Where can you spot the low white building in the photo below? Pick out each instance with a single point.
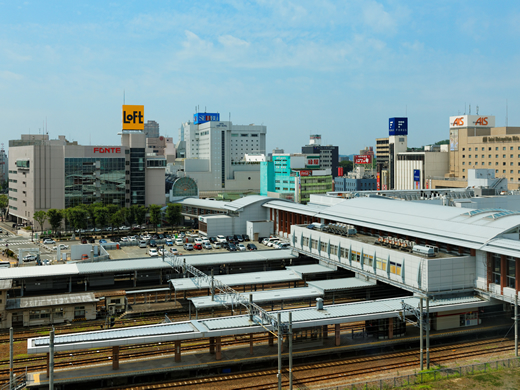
(415, 169)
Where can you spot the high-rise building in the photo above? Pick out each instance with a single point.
(294, 177)
(387, 150)
(4, 166)
(151, 129)
(214, 154)
(55, 173)
(329, 154)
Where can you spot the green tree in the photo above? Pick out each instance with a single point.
(155, 215)
(4, 202)
(101, 216)
(139, 213)
(77, 217)
(40, 216)
(173, 214)
(443, 142)
(128, 216)
(55, 218)
(348, 166)
(116, 219)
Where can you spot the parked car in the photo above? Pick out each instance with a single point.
(30, 258)
(230, 239)
(271, 243)
(49, 241)
(160, 251)
(153, 252)
(198, 240)
(207, 245)
(174, 251)
(169, 242)
(221, 239)
(143, 244)
(238, 238)
(224, 245)
(284, 245)
(62, 247)
(232, 247)
(178, 241)
(102, 241)
(152, 244)
(160, 236)
(124, 239)
(251, 247)
(241, 247)
(188, 246)
(197, 246)
(212, 240)
(245, 237)
(217, 245)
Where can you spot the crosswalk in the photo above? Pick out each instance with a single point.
(13, 243)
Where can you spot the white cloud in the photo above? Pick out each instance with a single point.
(10, 76)
(375, 17)
(231, 41)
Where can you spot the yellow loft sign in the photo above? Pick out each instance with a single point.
(133, 117)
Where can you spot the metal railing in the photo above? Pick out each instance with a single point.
(256, 313)
(428, 376)
(19, 382)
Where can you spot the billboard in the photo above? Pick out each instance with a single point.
(200, 118)
(306, 173)
(454, 139)
(312, 161)
(363, 159)
(460, 121)
(133, 117)
(417, 179)
(378, 180)
(398, 126)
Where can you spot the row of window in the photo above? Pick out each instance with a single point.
(489, 148)
(510, 271)
(489, 156)
(366, 260)
(489, 163)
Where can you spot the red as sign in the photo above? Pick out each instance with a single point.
(362, 159)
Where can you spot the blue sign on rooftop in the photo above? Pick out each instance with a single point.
(205, 117)
(398, 126)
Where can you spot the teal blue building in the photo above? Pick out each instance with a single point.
(275, 176)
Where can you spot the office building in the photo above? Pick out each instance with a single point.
(416, 170)
(55, 173)
(151, 129)
(329, 154)
(214, 154)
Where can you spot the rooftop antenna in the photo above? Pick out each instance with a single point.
(406, 110)
(205, 109)
(124, 96)
(477, 110)
(464, 108)
(469, 113)
(230, 116)
(506, 114)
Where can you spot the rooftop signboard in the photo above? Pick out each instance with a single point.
(398, 126)
(461, 121)
(133, 117)
(200, 118)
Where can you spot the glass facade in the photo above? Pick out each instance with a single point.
(90, 180)
(137, 176)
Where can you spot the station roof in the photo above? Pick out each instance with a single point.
(50, 300)
(146, 263)
(234, 325)
(503, 246)
(238, 257)
(236, 205)
(246, 279)
(433, 222)
(288, 294)
(340, 284)
(312, 269)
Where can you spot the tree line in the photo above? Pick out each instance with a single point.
(97, 215)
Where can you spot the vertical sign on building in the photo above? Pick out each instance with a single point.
(378, 180)
(398, 126)
(133, 117)
(417, 179)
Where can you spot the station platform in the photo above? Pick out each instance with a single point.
(261, 354)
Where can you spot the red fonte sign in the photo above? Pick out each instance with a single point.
(107, 150)
(363, 159)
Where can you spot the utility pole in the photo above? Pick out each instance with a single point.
(516, 325)
(11, 379)
(280, 341)
(290, 351)
(427, 333)
(421, 332)
(51, 360)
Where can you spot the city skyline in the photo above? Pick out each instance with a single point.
(339, 69)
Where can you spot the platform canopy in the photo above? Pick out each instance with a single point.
(261, 297)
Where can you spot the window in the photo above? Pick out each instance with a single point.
(470, 154)
(489, 156)
(464, 163)
(511, 156)
(503, 156)
(496, 269)
(395, 268)
(489, 163)
(469, 150)
(496, 155)
(496, 148)
(463, 170)
(504, 148)
(511, 148)
(463, 156)
(504, 171)
(79, 312)
(381, 264)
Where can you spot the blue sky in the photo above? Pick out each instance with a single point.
(336, 68)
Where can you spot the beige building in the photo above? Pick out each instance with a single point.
(46, 174)
(475, 143)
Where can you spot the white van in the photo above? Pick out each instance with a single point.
(143, 244)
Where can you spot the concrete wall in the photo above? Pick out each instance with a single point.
(155, 187)
(255, 229)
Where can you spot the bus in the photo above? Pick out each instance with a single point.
(5, 264)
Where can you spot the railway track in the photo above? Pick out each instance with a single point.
(332, 372)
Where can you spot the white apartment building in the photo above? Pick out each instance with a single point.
(215, 155)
